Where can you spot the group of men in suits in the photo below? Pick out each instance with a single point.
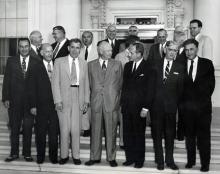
(67, 81)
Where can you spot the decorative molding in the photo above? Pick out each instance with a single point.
(170, 13)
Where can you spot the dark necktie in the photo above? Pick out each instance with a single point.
(23, 65)
(112, 44)
(191, 70)
(73, 73)
(56, 49)
(104, 65)
(38, 51)
(134, 69)
(49, 70)
(86, 53)
(167, 70)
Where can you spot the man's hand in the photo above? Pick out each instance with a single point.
(33, 111)
(85, 107)
(6, 104)
(59, 106)
(143, 113)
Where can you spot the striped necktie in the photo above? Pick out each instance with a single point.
(167, 70)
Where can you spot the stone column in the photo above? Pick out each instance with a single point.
(69, 16)
(208, 12)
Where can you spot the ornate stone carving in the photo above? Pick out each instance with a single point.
(170, 13)
(98, 13)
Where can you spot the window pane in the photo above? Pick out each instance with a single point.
(2, 8)
(11, 9)
(22, 9)
(2, 27)
(11, 27)
(22, 27)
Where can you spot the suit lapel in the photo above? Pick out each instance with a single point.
(99, 69)
(81, 70)
(18, 66)
(66, 66)
(109, 67)
(199, 72)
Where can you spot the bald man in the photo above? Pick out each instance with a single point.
(42, 106)
(105, 77)
(36, 42)
(111, 32)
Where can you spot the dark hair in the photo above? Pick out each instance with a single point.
(59, 28)
(161, 29)
(191, 41)
(87, 32)
(24, 39)
(75, 40)
(196, 21)
(131, 40)
(139, 48)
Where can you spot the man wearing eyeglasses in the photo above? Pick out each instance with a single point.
(167, 93)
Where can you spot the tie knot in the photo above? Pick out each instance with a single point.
(104, 65)
(192, 61)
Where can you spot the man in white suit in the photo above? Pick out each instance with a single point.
(70, 86)
(205, 48)
(88, 53)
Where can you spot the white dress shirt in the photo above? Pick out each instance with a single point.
(26, 61)
(165, 64)
(46, 64)
(101, 62)
(77, 68)
(137, 64)
(110, 41)
(34, 48)
(195, 64)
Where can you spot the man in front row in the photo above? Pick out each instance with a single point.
(105, 77)
(168, 91)
(135, 103)
(199, 86)
(70, 86)
(42, 106)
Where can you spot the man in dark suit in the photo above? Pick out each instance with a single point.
(135, 103)
(60, 46)
(157, 50)
(15, 98)
(199, 86)
(111, 32)
(42, 105)
(36, 42)
(167, 94)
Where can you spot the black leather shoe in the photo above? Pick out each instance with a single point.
(63, 160)
(28, 158)
(138, 165)
(40, 161)
(113, 163)
(127, 163)
(86, 133)
(204, 168)
(54, 161)
(11, 158)
(173, 166)
(189, 166)
(92, 162)
(77, 161)
(160, 166)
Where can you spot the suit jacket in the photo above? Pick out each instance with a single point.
(197, 94)
(137, 88)
(61, 81)
(63, 50)
(154, 52)
(115, 49)
(105, 89)
(92, 55)
(14, 85)
(205, 47)
(39, 88)
(35, 55)
(168, 94)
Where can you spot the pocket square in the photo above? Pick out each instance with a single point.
(176, 73)
(141, 75)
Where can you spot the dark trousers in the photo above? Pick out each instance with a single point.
(197, 131)
(19, 116)
(134, 137)
(47, 123)
(163, 125)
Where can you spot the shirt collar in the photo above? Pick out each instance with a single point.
(102, 60)
(34, 47)
(197, 36)
(195, 60)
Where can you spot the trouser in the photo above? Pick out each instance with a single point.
(107, 121)
(47, 123)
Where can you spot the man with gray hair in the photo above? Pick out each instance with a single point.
(36, 41)
(105, 79)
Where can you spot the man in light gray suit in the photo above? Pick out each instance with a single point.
(105, 79)
(205, 48)
(70, 86)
